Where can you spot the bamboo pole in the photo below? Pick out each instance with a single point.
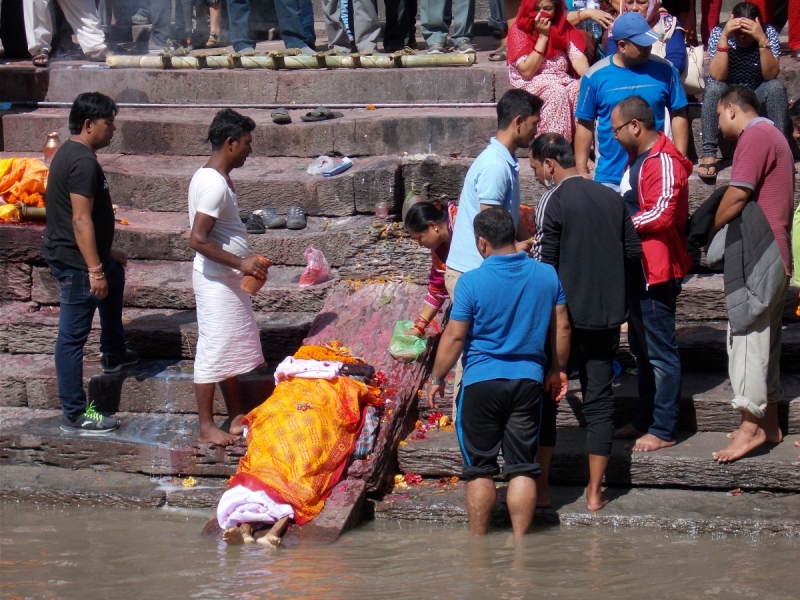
(302, 61)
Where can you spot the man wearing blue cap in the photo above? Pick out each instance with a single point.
(629, 72)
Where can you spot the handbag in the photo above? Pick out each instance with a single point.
(693, 78)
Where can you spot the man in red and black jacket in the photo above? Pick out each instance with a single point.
(658, 200)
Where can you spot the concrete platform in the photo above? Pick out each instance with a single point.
(688, 464)
(683, 511)
(154, 333)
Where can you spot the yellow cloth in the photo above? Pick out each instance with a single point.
(299, 440)
(23, 180)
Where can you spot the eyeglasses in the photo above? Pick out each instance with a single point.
(618, 129)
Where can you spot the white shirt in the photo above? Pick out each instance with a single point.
(209, 194)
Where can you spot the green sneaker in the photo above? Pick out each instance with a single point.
(91, 422)
(113, 363)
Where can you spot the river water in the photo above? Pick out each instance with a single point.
(87, 553)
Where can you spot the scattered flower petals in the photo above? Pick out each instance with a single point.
(413, 479)
(189, 482)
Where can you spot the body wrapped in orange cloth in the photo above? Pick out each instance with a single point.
(299, 441)
(23, 180)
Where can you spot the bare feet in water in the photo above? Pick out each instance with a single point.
(649, 443)
(749, 437)
(274, 535)
(233, 536)
(627, 433)
(214, 435)
(596, 501)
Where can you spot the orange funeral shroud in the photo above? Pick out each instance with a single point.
(299, 440)
(23, 180)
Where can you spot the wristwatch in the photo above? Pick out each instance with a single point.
(437, 381)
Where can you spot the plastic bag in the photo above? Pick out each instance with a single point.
(317, 267)
(321, 164)
(406, 348)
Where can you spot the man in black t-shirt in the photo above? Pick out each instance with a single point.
(77, 247)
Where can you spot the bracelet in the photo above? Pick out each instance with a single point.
(97, 269)
(763, 47)
(436, 381)
(421, 331)
(421, 318)
(580, 19)
(723, 48)
(537, 52)
(97, 278)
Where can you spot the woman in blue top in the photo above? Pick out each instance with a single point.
(742, 52)
(662, 23)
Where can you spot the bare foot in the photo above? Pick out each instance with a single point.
(247, 533)
(596, 501)
(273, 537)
(628, 432)
(797, 443)
(649, 443)
(233, 536)
(749, 437)
(214, 435)
(233, 425)
(769, 423)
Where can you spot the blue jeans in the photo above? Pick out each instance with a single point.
(75, 323)
(651, 335)
(435, 19)
(296, 22)
(307, 17)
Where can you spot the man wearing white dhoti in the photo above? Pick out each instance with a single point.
(228, 343)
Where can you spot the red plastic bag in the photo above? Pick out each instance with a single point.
(317, 267)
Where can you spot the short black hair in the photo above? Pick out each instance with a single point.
(92, 106)
(748, 10)
(496, 226)
(228, 123)
(555, 147)
(421, 214)
(516, 103)
(794, 110)
(636, 107)
(742, 96)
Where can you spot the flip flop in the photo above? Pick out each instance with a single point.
(499, 56)
(281, 116)
(711, 171)
(41, 59)
(322, 113)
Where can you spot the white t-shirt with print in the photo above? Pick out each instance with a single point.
(209, 194)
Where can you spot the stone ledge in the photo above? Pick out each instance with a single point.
(688, 464)
(683, 511)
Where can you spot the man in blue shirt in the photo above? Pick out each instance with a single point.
(500, 318)
(493, 180)
(629, 72)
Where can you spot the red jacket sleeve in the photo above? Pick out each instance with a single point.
(661, 181)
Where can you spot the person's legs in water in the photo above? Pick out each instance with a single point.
(521, 501)
(481, 498)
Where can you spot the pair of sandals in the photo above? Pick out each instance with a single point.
(280, 116)
(268, 218)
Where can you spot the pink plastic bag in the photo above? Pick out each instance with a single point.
(317, 267)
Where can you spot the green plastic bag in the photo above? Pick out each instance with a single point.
(405, 348)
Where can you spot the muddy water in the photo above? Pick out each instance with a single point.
(99, 553)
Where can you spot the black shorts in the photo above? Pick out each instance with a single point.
(500, 414)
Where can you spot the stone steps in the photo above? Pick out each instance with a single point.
(153, 333)
(152, 386)
(688, 464)
(686, 511)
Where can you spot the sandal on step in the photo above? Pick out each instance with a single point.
(499, 56)
(41, 58)
(322, 113)
(214, 40)
(99, 56)
(270, 218)
(254, 225)
(296, 218)
(281, 116)
(710, 173)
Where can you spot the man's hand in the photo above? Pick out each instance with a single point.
(432, 389)
(524, 245)
(118, 256)
(98, 286)
(251, 265)
(557, 384)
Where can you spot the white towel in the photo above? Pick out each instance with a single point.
(306, 369)
(239, 505)
(228, 343)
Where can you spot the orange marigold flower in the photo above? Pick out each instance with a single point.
(123, 222)
(370, 107)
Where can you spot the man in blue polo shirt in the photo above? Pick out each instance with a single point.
(492, 180)
(629, 72)
(500, 318)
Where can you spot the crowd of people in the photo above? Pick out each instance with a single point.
(563, 29)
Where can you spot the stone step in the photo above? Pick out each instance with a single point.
(688, 464)
(152, 386)
(684, 511)
(168, 284)
(153, 333)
